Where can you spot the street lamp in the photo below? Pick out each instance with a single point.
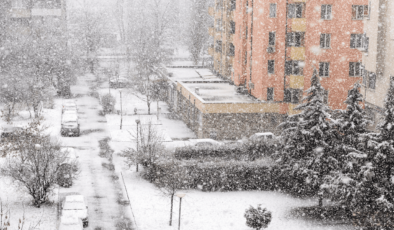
(138, 122)
(37, 147)
(180, 195)
(121, 109)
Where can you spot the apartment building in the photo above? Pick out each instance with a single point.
(278, 44)
(25, 14)
(222, 48)
(378, 58)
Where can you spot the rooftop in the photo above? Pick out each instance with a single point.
(191, 74)
(217, 92)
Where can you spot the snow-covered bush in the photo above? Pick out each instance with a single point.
(248, 151)
(108, 103)
(215, 175)
(257, 218)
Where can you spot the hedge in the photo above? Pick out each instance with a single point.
(249, 151)
(219, 175)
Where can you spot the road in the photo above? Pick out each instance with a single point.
(101, 186)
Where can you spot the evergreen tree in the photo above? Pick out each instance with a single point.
(350, 148)
(375, 197)
(307, 156)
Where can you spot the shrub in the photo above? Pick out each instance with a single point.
(215, 175)
(108, 103)
(257, 218)
(249, 151)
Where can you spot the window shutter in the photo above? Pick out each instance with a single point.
(288, 67)
(321, 69)
(291, 13)
(351, 69)
(328, 40)
(322, 38)
(366, 44)
(353, 41)
(329, 12)
(323, 12)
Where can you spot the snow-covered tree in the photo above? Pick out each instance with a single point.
(351, 148)
(309, 138)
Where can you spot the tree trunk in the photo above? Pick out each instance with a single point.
(148, 102)
(172, 205)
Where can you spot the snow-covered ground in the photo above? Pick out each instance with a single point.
(151, 210)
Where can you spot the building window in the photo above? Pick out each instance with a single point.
(231, 51)
(296, 39)
(218, 47)
(271, 39)
(296, 10)
(295, 68)
(326, 11)
(233, 5)
(360, 11)
(372, 80)
(324, 69)
(356, 41)
(325, 97)
(325, 40)
(270, 94)
(232, 27)
(292, 95)
(273, 10)
(271, 66)
(354, 69)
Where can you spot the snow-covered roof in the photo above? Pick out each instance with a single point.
(217, 92)
(191, 74)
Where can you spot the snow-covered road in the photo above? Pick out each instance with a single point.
(96, 182)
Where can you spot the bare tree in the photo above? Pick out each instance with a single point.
(5, 222)
(150, 147)
(198, 33)
(170, 183)
(33, 161)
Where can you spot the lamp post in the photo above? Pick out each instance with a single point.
(121, 109)
(138, 122)
(180, 195)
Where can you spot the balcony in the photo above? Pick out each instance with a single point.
(296, 82)
(297, 53)
(20, 13)
(298, 25)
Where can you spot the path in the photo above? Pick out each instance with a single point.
(100, 186)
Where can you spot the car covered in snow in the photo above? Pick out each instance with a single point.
(74, 205)
(10, 131)
(118, 82)
(68, 168)
(70, 125)
(204, 142)
(69, 105)
(70, 222)
(262, 136)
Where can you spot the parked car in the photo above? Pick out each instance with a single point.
(74, 205)
(118, 82)
(70, 125)
(262, 136)
(69, 105)
(10, 131)
(69, 168)
(204, 142)
(71, 222)
(65, 112)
